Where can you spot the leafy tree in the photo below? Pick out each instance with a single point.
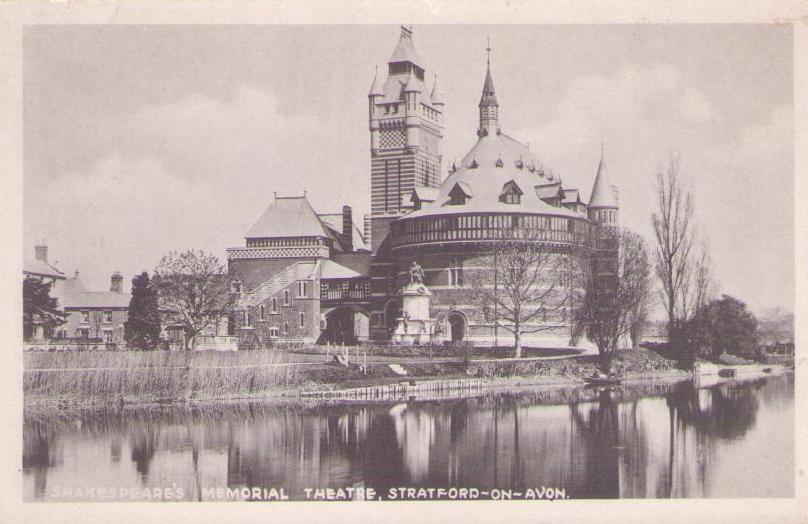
(142, 327)
(38, 307)
(724, 325)
(193, 291)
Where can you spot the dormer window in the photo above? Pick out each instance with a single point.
(459, 193)
(499, 163)
(511, 193)
(520, 164)
(474, 164)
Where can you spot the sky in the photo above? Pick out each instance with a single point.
(139, 140)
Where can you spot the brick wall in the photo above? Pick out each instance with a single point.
(96, 323)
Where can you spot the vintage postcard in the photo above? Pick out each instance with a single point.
(499, 263)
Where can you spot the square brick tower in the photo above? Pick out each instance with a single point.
(406, 129)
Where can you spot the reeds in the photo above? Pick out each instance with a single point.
(155, 375)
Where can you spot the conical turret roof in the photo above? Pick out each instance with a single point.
(437, 96)
(376, 88)
(602, 190)
(489, 96)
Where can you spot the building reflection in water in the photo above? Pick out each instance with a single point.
(670, 440)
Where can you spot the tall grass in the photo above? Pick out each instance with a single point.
(155, 376)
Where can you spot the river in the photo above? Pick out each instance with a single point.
(657, 440)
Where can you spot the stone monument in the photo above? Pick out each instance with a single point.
(414, 326)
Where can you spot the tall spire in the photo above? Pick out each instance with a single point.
(603, 190)
(489, 107)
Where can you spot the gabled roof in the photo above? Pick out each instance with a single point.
(76, 296)
(38, 268)
(603, 190)
(550, 191)
(461, 187)
(333, 221)
(424, 194)
(288, 217)
(405, 49)
(571, 196)
(511, 187)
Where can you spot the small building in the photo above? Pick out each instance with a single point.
(43, 326)
(94, 314)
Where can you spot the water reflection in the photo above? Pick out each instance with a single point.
(664, 440)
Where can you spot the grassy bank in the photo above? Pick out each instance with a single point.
(153, 376)
(635, 363)
(71, 378)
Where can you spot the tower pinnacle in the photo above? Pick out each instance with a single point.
(489, 107)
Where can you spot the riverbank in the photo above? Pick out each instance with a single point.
(69, 379)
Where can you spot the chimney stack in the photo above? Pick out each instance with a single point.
(41, 252)
(116, 283)
(366, 231)
(347, 228)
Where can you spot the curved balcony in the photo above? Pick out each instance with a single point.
(490, 227)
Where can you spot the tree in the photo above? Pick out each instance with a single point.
(525, 283)
(142, 326)
(724, 325)
(673, 230)
(38, 307)
(617, 287)
(193, 291)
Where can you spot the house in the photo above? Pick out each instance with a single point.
(94, 314)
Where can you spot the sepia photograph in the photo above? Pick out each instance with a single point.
(407, 262)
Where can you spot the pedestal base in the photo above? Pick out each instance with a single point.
(412, 332)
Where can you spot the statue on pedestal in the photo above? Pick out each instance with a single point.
(416, 273)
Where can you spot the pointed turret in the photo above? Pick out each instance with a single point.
(405, 50)
(437, 96)
(489, 107)
(376, 88)
(603, 202)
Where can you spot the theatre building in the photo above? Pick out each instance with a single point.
(318, 278)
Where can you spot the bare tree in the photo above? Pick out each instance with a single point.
(617, 287)
(674, 233)
(526, 282)
(193, 291)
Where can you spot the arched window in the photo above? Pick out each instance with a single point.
(263, 317)
(286, 328)
(274, 305)
(285, 297)
(302, 319)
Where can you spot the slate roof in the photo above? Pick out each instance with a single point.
(405, 49)
(76, 296)
(485, 182)
(331, 269)
(288, 217)
(334, 221)
(298, 271)
(603, 192)
(376, 87)
(34, 267)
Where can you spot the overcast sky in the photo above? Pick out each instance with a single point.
(140, 140)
